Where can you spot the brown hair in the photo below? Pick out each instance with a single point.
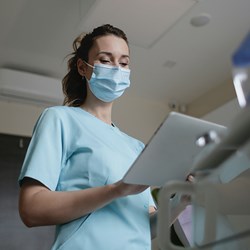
(74, 86)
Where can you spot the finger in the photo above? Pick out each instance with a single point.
(190, 178)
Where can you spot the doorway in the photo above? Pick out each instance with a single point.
(13, 233)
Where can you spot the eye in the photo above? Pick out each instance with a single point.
(124, 64)
(104, 61)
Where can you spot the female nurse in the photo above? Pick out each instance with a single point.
(77, 156)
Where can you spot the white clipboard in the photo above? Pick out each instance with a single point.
(170, 153)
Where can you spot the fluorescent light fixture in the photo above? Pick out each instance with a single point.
(240, 86)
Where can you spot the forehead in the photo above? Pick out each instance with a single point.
(110, 43)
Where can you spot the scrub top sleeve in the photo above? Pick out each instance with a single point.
(44, 158)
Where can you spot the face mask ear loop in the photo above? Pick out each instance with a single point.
(85, 78)
(88, 64)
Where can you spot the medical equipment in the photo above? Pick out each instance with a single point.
(220, 195)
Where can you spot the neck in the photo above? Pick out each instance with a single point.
(102, 111)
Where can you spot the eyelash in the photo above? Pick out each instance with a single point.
(108, 61)
(104, 61)
(124, 64)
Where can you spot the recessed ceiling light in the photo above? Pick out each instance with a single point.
(200, 20)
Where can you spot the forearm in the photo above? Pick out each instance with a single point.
(40, 206)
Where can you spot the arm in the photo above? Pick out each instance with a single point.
(40, 206)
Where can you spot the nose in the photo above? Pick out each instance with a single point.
(116, 63)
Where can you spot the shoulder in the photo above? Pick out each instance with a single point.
(139, 145)
(57, 112)
(53, 116)
(134, 142)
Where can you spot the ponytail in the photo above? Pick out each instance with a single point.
(74, 87)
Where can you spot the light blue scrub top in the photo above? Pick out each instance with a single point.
(73, 150)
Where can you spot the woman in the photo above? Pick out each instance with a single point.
(77, 156)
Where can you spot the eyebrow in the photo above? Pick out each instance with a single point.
(110, 54)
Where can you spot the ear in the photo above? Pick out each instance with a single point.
(81, 67)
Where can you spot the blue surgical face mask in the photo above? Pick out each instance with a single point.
(108, 82)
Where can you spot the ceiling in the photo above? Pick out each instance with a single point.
(171, 59)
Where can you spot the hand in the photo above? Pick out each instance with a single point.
(186, 198)
(190, 178)
(125, 189)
